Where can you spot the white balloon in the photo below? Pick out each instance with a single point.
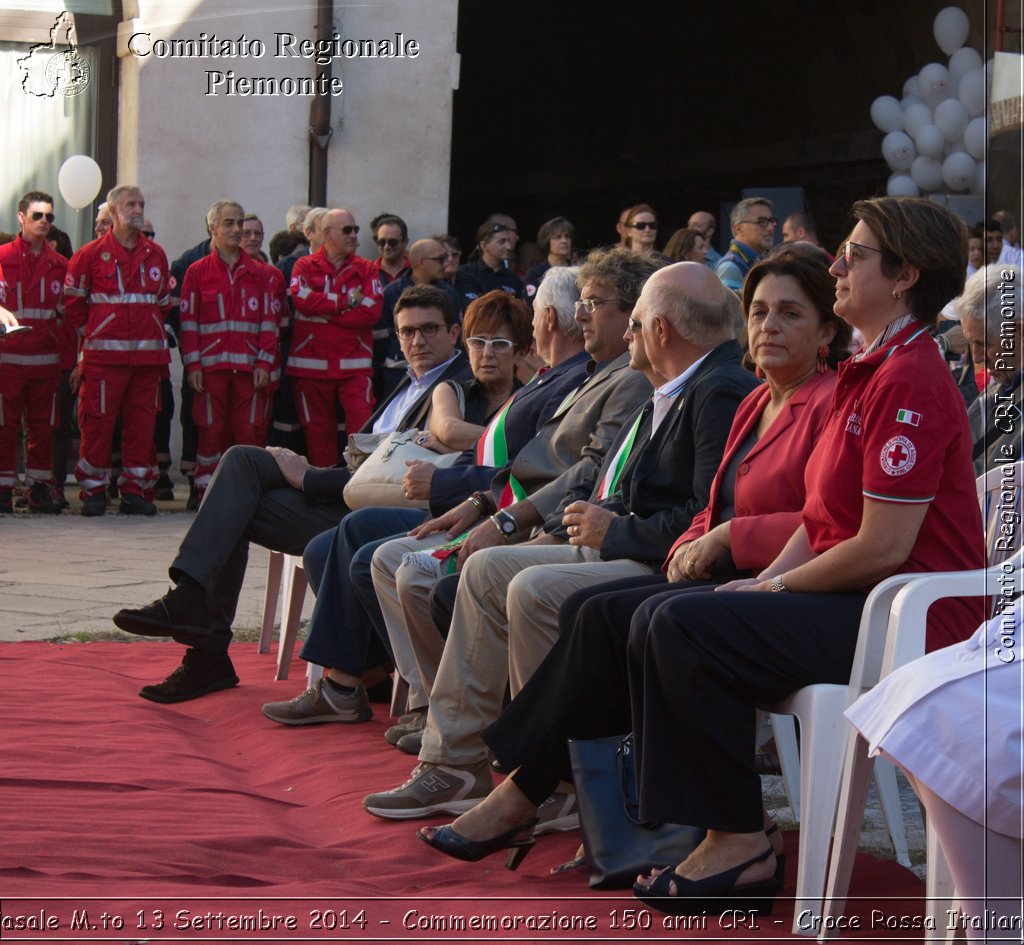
(930, 141)
(956, 147)
(965, 59)
(934, 82)
(911, 88)
(916, 117)
(976, 138)
(909, 100)
(959, 170)
(898, 150)
(900, 185)
(79, 180)
(926, 172)
(971, 92)
(978, 187)
(887, 114)
(951, 118)
(951, 27)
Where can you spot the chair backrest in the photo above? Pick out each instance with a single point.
(1000, 495)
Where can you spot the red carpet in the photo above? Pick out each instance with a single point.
(211, 808)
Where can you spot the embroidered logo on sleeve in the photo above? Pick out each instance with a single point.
(898, 456)
(55, 286)
(253, 304)
(154, 273)
(911, 417)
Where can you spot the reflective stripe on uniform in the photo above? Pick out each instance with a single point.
(110, 344)
(124, 298)
(309, 364)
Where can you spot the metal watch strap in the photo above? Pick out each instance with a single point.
(777, 585)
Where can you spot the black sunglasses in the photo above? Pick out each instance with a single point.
(149, 233)
(390, 243)
(37, 215)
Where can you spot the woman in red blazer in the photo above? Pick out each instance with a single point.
(581, 689)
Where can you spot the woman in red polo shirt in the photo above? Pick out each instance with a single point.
(890, 488)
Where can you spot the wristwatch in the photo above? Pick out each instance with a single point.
(777, 585)
(505, 522)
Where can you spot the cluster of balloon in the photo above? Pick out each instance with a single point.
(79, 181)
(936, 133)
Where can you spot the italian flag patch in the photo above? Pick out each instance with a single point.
(910, 417)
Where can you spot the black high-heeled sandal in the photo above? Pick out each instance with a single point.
(710, 894)
(455, 845)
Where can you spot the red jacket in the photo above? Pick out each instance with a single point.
(770, 490)
(32, 291)
(226, 320)
(116, 296)
(331, 338)
(281, 314)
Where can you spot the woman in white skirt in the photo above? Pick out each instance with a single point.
(952, 721)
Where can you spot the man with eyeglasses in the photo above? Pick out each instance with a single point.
(116, 291)
(274, 497)
(426, 267)
(496, 241)
(31, 289)
(337, 303)
(391, 236)
(753, 232)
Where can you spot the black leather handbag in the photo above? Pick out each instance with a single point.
(619, 845)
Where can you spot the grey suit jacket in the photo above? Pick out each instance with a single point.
(570, 447)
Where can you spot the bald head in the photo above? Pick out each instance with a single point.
(703, 222)
(426, 259)
(692, 299)
(337, 243)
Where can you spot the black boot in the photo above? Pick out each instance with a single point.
(200, 672)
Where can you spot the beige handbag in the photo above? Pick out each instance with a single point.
(378, 478)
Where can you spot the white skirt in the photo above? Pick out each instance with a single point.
(954, 719)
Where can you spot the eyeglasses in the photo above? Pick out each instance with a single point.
(497, 345)
(390, 243)
(149, 233)
(849, 252)
(502, 228)
(591, 304)
(763, 222)
(643, 225)
(427, 331)
(636, 326)
(37, 215)
(347, 230)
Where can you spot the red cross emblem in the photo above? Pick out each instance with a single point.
(898, 456)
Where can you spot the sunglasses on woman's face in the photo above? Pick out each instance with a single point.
(37, 215)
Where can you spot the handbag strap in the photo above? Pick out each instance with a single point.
(625, 757)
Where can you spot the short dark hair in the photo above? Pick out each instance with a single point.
(551, 229)
(390, 219)
(62, 240)
(284, 242)
(497, 309)
(926, 235)
(681, 243)
(34, 196)
(428, 296)
(809, 265)
(802, 219)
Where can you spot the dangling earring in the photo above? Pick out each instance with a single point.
(822, 365)
(895, 295)
(758, 373)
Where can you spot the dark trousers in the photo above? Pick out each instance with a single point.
(248, 500)
(699, 665)
(347, 630)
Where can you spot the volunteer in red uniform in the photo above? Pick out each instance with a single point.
(30, 360)
(337, 300)
(252, 245)
(115, 294)
(228, 342)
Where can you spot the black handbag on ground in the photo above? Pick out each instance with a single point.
(618, 844)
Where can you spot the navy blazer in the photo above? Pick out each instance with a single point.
(531, 409)
(667, 478)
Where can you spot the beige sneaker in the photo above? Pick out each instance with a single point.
(433, 789)
(321, 703)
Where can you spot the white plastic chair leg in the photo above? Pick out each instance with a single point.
(889, 800)
(295, 584)
(270, 598)
(784, 730)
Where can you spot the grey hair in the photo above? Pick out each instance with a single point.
(114, 196)
(992, 295)
(315, 214)
(213, 214)
(740, 210)
(701, 322)
(296, 215)
(560, 290)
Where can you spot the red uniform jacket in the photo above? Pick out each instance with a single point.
(281, 315)
(330, 337)
(770, 490)
(32, 290)
(117, 296)
(226, 320)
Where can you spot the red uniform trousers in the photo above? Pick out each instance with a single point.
(228, 412)
(315, 401)
(35, 398)
(133, 393)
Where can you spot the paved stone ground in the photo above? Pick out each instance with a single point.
(62, 577)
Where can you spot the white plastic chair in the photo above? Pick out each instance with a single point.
(903, 640)
(285, 571)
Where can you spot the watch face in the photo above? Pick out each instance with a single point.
(507, 526)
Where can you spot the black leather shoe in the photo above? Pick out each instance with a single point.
(132, 504)
(94, 505)
(40, 500)
(183, 609)
(163, 491)
(201, 672)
